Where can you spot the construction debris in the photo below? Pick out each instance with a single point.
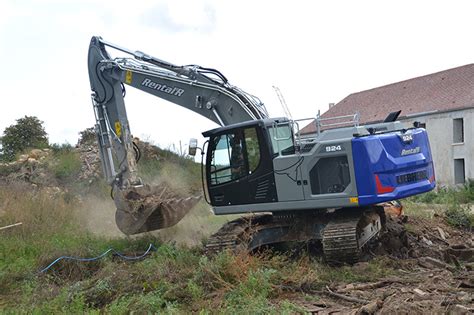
(432, 275)
(344, 297)
(10, 226)
(461, 309)
(441, 233)
(370, 308)
(430, 262)
(461, 252)
(421, 294)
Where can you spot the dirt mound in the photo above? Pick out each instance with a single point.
(434, 265)
(417, 237)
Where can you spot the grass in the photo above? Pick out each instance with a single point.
(173, 279)
(447, 195)
(66, 163)
(453, 202)
(177, 278)
(460, 216)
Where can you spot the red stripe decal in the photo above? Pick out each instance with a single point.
(380, 188)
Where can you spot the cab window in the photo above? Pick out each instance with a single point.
(282, 139)
(252, 148)
(234, 155)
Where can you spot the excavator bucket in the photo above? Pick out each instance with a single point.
(148, 208)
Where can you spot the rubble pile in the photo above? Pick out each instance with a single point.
(28, 167)
(36, 166)
(90, 161)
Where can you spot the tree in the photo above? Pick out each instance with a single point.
(87, 136)
(28, 132)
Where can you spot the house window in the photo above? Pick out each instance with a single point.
(458, 130)
(459, 172)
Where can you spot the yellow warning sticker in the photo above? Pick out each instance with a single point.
(354, 200)
(128, 77)
(118, 128)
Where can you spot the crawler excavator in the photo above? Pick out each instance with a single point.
(325, 188)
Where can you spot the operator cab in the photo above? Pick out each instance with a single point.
(239, 161)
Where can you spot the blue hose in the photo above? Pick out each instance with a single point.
(150, 247)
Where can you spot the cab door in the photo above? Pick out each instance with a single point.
(238, 167)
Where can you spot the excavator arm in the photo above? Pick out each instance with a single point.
(205, 91)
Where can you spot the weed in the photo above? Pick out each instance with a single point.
(410, 228)
(61, 148)
(460, 216)
(195, 290)
(446, 195)
(251, 295)
(421, 210)
(286, 307)
(373, 270)
(60, 303)
(66, 164)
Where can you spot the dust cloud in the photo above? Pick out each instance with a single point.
(97, 215)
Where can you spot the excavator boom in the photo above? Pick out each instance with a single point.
(205, 91)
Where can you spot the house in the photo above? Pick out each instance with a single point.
(442, 102)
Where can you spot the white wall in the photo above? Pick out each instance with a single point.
(440, 132)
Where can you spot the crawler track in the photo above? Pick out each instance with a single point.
(236, 234)
(342, 234)
(340, 243)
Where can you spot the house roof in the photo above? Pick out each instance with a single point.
(441, 91)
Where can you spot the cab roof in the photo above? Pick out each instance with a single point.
(268, 122)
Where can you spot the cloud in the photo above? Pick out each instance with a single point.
(181, 16)
(314, 51)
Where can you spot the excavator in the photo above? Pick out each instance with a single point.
(327, 187)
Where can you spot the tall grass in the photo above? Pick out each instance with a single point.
(44, 216)
(66, 163)
(446, 195)
(173, 279)
(455, 204)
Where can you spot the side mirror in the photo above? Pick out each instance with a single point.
(193, 144)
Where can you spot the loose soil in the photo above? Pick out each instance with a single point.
(434, 265)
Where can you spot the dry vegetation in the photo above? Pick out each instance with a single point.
(423, 265)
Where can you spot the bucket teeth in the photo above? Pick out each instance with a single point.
(147, 208)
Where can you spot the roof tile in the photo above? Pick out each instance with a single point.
(441, 91)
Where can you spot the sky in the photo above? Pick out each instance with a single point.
(316, 52)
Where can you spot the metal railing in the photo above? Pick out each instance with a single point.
(319, 121)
